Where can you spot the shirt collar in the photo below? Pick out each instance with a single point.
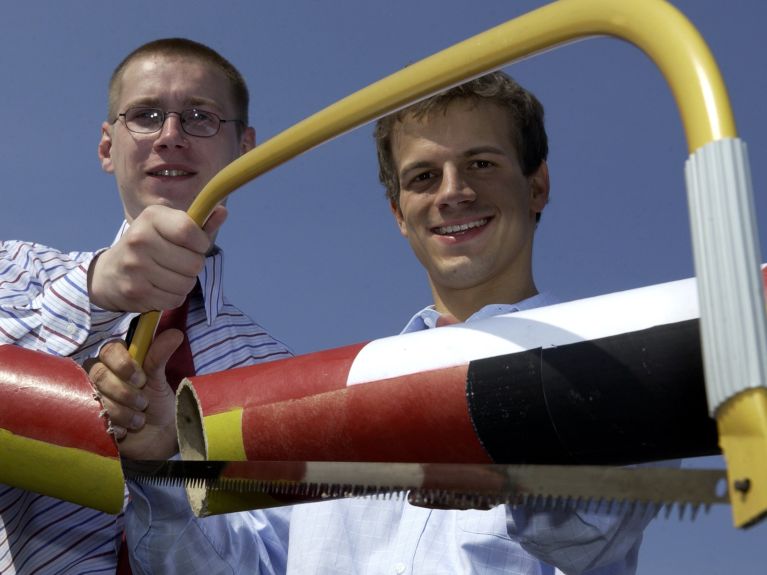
(428, 316)
(211, 278)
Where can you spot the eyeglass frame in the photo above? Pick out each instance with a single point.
(180, 117)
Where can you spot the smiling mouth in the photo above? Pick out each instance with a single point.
(460, 228)
(171, 173)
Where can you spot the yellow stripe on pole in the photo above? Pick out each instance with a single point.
(223, 436)
(223, 440)
(67, 473)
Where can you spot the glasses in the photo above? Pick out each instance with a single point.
(194, 122)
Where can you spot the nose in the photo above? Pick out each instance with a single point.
(171, 134)
(454, 189)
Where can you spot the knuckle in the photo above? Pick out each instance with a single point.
(136, 291)
(116, 357)
(97, 372)
(135, 242)
(124, 397)
(118, 413)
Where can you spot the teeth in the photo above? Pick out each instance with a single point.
(446, 230)
(172, 173)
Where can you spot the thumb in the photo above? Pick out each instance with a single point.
(158, 355)
(215, 220)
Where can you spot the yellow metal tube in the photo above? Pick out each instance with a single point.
(742, 425)
(656, 27)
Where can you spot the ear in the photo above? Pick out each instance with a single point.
(105, 148)
(539, 188)
(248, 140)
(397, 213)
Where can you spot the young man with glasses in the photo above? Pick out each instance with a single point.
(178, 114)
(466, 179)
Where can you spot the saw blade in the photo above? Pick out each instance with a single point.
(447, 485)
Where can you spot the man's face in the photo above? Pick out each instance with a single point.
(170, 167)
(465, 206)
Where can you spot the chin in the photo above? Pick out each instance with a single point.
(458, 277)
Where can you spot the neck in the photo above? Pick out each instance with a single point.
(462, 303)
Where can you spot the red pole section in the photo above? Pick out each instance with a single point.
(52, 438)
(209, 407)
(419, 418)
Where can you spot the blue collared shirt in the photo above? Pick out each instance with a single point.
(428, 316)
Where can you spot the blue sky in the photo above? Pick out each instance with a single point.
(312, 252)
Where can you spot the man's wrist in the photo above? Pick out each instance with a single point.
(97, 293)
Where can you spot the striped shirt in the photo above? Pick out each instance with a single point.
(44, 306)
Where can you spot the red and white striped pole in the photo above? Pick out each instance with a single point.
(613, 379)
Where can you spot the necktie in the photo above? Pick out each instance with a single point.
(446, 319)
(181, 363)
(179, 366)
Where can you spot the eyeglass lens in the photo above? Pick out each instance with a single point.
(194, 122)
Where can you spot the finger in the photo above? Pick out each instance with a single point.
(116, 360)
(168, 285)
(111, 387)
(178, 228)
(215, 220)
(178, 262)
(122, 416)
(157, 357)
(144, 271)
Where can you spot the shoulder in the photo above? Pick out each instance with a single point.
(33, 255)
(232, 339)
(28, 269)
(234, 316)
(31, 262)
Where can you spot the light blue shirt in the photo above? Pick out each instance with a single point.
(368, 536)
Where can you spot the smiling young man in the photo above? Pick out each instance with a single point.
(466, 177)
(178, 113)
(465, 202)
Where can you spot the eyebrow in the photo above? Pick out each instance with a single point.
(484, 150)
(154, 102)
(471, 152)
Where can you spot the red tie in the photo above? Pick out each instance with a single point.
(179, 366)
(446, 319)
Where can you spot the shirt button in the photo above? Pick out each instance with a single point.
(71, 328)
(399, 568)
